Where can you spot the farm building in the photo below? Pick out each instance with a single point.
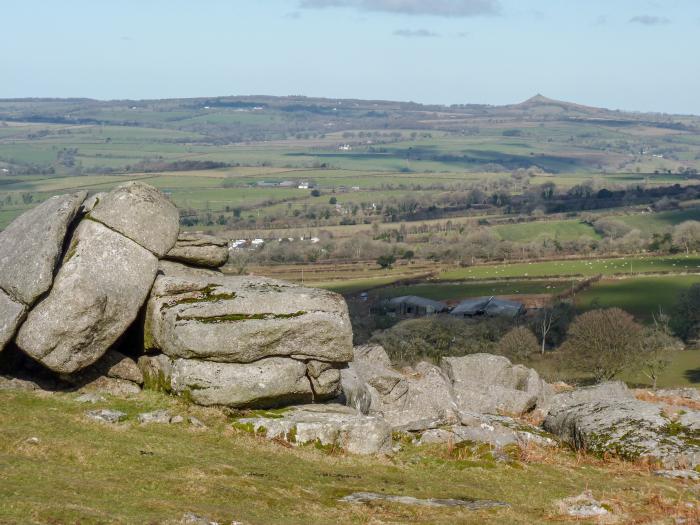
(491, 306)
(414, 305)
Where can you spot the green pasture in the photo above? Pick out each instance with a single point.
(581, 267)
(558, 230)
(457, 291)
(661, 221)
(640, 296)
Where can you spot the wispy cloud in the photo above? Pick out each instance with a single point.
(294, 15)
(445, 8)
(650, 20)
(600, 21)
(415, 33)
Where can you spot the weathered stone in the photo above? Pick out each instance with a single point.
(325, 425)
(469, 504)
(113, 364)
(266, 383)
(157, 371)
(91, 398)
(692, 475)
(630, 429)
(581, 506)
(158, 416)
(92, 201)
(325, 379)
(31, 246)
(609, 391)
(12, 314)
(496, 431)
(488, 383)
(97, 294)
(197, 423)
(355, 392)
(141, 213)
(415, 400)
(209, 316)
(111, 386)
(176, 420)
(105, 415)
(199, 250)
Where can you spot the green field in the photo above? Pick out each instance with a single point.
(683, 371)
(456, 291)
(585, 267)
(661, 221)
(80, 471)
(559, 230)
(640, 296)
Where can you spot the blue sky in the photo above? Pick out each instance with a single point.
(627, 54)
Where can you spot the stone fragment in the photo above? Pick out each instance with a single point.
(105, 415)
(200, 250)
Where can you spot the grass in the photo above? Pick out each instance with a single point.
(682, 371)
(662, 221)
(640, 296)
(455, 291)
(85, 472)
(559, 230)
(581, 267)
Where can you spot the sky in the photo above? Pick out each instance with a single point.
(641, 55)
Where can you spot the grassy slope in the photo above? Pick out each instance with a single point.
(85, 472)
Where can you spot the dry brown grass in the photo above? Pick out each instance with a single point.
(674, 401)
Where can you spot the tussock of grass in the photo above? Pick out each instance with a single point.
(85, 472)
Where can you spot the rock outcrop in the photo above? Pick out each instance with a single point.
(234, 319)
(332, 426)
(630, 429)
(245, 341)
(199, 250)
(30, 248)
(490, 384)
(76, 271)
(97, 294)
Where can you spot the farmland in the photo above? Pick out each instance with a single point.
(579, 268)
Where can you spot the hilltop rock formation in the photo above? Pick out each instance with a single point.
(76, 271)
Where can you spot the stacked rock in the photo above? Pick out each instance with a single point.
(76, 273)
(243, 341)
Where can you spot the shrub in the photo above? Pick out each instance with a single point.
(603, 342)
(430, 338)
(518, 344)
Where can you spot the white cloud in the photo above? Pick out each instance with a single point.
(445, 8)
(415, 33)
(650, 20)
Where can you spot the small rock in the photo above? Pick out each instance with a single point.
(90, 398)
(158, 416)
(581, 506)
(196, 422)
(106, 416)
(678, 474)
(190, 518)
(33, 440)
(175, 420)
(471, 504)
